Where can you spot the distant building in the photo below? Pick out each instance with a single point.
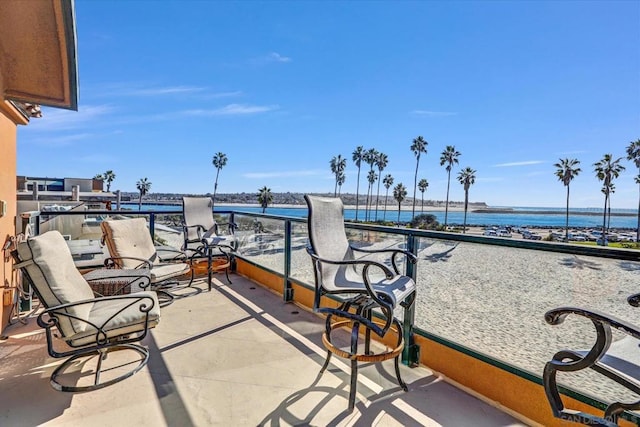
(60, 189)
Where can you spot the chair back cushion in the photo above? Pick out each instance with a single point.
(328, 237)
(50, 267)
(129, 238)
(197, 211)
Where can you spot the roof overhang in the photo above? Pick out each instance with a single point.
(38, 62)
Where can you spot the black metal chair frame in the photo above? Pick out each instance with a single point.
(206, 250)
(49, 319)
(572, 361)
(357, 311)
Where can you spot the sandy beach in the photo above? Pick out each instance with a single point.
(493, 299)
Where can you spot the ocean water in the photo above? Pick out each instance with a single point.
(519, 216)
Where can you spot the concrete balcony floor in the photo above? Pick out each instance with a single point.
(235, 356)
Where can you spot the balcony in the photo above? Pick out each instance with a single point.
(252, 350)
(237, 355)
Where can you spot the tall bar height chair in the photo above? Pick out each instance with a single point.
(204, 237)
(338, 272)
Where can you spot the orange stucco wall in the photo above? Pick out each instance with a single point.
(8, 132)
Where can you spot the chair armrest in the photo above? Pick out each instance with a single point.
(572, 361)
(111, 263)
(634, 300)
(394, 254)
(367, 263)
(146, 304)
(178, 254)
(557, 315)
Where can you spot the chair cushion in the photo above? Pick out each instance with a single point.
(129, 238)
(56, 278)
(162, 272)
(396, 289)
(130, 320)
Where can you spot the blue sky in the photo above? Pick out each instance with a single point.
(282, 87)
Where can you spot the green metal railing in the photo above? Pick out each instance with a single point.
(280, 251)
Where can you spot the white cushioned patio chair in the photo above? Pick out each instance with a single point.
(90, 326)
(338, 272)
(203, 235)
(618, 360)
(131, 246)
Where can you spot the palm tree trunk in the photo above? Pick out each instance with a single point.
(377, 197)
(566, 228)
(446, 207)
(140, 202)
(415, 184)
(422, 207)
(399, 214)
(357, 192)
(466, 205)
(215, 189)
(386, 196)
(604, 220)
(638, 228)
(335, 188)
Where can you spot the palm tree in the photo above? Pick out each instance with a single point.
(607, 170)
(370, 157)
(633, 154)
(357, 156)
(338, 165)
(381, 162)
(449, 156)
(388, 182)
(341, 179)
(264, 197)
(219, 161)
(109, 176)
(399, 193)
(143, 186)
(418, 147)
(566, 170)
(466, 177)
(422, 186)
(371, 177)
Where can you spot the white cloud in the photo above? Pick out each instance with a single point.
(283, 174)
(62, 140)
(524, 163)
(170, 90)
(433, 113)
(276, 57)
(56, 119)
(233, 110)
(223, 95)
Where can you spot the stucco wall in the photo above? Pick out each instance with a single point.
(8, 132)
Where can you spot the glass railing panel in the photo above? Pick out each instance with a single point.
(301, 267)
(492, 299)
(261, 241)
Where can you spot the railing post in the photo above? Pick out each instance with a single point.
(411, 351)
(287, 292)
(232, 220)
(152, 226)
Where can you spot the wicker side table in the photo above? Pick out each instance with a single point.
(115, 281)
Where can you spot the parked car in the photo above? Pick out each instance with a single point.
(503, 233)
(490, 233)
(531, 236)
